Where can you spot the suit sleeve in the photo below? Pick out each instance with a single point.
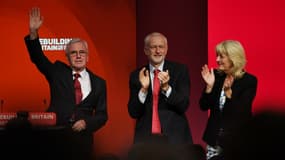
(37, 56)
(100, 116)
(206, 101)
(241, 103)
(179, 97)
(209, 100)
(135, 108)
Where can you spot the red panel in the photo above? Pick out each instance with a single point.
(259, 26)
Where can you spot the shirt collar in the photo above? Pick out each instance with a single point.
(83, 73)
(152, 68)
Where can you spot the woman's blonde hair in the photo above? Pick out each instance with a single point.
(235, 51)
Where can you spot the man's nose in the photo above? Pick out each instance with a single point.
(157, 49)
(78, 55)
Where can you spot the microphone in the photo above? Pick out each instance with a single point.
(1, 105)
(45, 102)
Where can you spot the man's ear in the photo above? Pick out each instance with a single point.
(146, 52)
(87, 58)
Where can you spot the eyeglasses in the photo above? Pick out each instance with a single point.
(76, 53)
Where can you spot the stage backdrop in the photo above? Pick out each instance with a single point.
(259, 26)
(109, 28)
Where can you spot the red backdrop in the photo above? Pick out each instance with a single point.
(259, 26)
(109, 28)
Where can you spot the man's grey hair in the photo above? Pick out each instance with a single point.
(153, 34)
(75, 40)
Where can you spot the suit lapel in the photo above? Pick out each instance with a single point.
(167, 66)
(70, 84)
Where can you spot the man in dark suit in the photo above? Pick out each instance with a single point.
(90, 113)
(173, 97)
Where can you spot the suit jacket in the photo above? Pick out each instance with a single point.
(171, 110)
(236, 111)
(59, 76)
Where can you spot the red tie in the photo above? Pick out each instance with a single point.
(77, 87)
(156, 129)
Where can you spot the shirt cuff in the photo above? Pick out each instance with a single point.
(167, 93)
(142, 96)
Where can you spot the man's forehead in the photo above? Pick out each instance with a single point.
(156, 40)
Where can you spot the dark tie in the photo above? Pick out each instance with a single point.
(77, 89)
(156, 128)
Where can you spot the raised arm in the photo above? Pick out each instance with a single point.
(36, 21)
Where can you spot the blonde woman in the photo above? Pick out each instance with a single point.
(228, 94)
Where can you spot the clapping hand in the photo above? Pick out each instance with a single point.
(209, 77)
